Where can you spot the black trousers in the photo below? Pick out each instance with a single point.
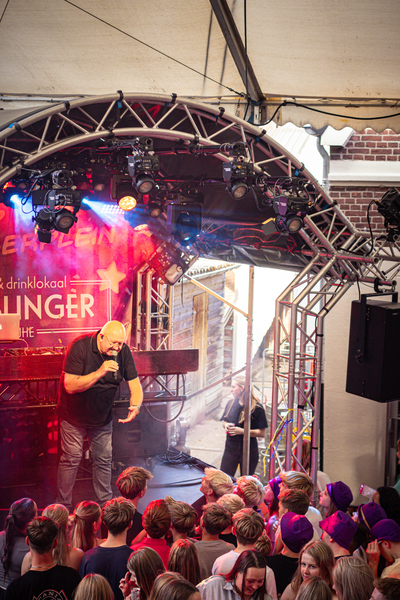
(232, 457)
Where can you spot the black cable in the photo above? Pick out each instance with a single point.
(155, 49)
(324, 112)
(5, 8)
(369, 226)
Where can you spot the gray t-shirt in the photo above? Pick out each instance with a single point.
(208, 551)
(19, 550)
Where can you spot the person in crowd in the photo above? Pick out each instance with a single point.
(353, 579)
(314, 588)
(233, 503)
(214, 521)
(251, 490)
(248, 526)
(389, 499)
(322, 478)
(179, 589)
(86, 521)
(214, 484)
(272, 492)
(386, 589)
(94, 587)
(184, 559)
(338, 532)
(144, 566)
(336, 496)
(156, 523)
(316, 560)
(183, 518)
(359, 541)
(246, 580)
(63, 553)
(110, 558)
(132, 484)
(93, 369)
(385, 536)
(13, 547)
(160, 582)
(263, 544)
(295, 501)
(301, 481)
(233, 423)
(296, 531)
(45, 579)
(369, 514)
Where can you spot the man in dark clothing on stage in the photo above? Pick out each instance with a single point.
(94, 366)
(45, 579)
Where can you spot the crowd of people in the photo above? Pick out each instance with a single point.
(238, 541)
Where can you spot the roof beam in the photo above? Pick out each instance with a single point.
(237, 49)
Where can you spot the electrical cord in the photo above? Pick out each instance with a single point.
(155, 50)
(324, 112)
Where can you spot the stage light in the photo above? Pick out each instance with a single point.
(100, 177)
(155, 208)
(184, 222)
(237, 173)
(389, 207)
(144, 184)
(294, 223)
(64, 220)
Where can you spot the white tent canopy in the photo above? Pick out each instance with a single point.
(340, 57)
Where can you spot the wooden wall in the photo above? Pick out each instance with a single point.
(198, 323)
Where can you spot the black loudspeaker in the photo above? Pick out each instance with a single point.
(374, 373)
(144, 437)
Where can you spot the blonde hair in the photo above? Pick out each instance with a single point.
(251, 490)
(219, 481)
(132, 481)
(183, 516)
(161, 582)
(298, 480)
(241, 380)
(263, 544)
(86, 514)
(353, 578)
(95, 587)
(231, 502)
(60, 515)
(314, 588)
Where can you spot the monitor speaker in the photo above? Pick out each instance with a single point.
(145, 436)
(374, 373)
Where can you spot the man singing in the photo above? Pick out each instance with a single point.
(94, 366)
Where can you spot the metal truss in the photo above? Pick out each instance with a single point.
(153, 316)
(339, 256)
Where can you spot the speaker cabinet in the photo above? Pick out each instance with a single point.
(144, 437)
(375, 375)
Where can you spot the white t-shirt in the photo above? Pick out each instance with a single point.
(223, 564)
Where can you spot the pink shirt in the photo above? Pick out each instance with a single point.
(160, 546)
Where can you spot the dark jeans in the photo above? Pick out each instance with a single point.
(232, 457)
(100, 439)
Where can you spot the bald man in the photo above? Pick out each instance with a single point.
(94, 366)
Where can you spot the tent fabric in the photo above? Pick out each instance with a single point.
(341, 57)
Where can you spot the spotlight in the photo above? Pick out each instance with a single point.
(155, 208)
(124, 193)
(184, 222)
(63, 220)
(100, 177)
(144, 184)
(171, 261)
(389, 207)
(11, 196)
(235, 173)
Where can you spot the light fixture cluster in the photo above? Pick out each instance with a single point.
(292, 198)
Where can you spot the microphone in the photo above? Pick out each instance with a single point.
(114, 355)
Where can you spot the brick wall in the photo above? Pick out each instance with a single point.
(369, 145)
(354, 198)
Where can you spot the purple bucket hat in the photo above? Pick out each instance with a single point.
(274, 485)
(340, 494)
(387, 529)
(296, 531)
(370, 514)
(340, 527)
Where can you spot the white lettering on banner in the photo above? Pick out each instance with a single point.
(74, 307)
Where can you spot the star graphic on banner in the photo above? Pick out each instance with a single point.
(112, 275)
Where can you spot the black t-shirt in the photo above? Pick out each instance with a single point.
(92, 408)
(109, 562)
(57, 583)
(231, 414)
(136, 528)
(284, 567)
